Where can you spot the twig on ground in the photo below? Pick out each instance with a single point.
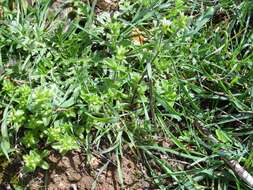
(241, 172)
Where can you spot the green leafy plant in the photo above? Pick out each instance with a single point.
(79, 81)
(35, 159)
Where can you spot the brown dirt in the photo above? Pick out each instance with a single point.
(70, 172)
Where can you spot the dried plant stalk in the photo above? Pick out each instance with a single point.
(241, 172)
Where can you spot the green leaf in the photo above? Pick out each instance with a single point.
(18, 187)
(5, 144)
(4, 131)
(202, 20)
(149, 70)
(119, 168)
(68, 103)
(222, 136)
(44, 165)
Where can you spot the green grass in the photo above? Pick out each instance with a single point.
(84, 84)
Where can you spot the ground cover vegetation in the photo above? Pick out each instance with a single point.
(167, 82)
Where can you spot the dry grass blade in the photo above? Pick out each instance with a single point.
(241, 172)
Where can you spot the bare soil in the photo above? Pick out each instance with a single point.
(70, 172)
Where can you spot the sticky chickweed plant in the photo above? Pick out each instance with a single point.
(168, 82)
